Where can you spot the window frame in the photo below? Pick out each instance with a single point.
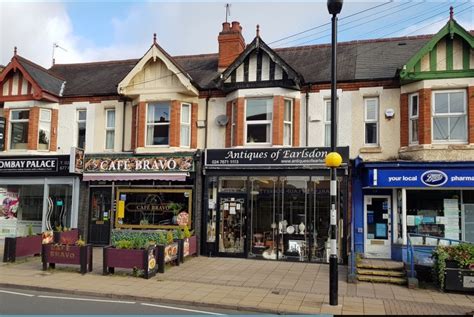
(147, 124)
(182, 124)
(412, 118)
(39, 124)
(110, 128)
(290, 123)
(78, 120)
(449, 115)
(10, 128)
(376, 121)
(255, 122)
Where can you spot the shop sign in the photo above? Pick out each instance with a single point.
(77, 161)
(272, 156)
(171, 252)
(422, 178)
(50, 165)
(138, 164)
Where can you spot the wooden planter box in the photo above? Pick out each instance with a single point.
(66, 237)
(170, 253)
(21, 246)
(190, 246)
(458, 279)
(67, 254)
(142, 259)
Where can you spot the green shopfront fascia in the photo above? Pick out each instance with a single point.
(271, 203)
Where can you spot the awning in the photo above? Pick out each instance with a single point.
(180, 177)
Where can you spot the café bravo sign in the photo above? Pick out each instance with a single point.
(138, 164)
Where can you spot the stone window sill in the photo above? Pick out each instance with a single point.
(375, 149)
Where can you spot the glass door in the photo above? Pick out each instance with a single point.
(378, 226)
(232, 224)
(100, 213)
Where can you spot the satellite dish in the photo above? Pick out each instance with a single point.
(222, 120)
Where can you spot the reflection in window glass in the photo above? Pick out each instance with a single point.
(449, 116)
(158, 122)
(232, 184)
(19, 129)
(22, 202)
(59, 205)
(259, 114)
(44, 129)
(81, 128)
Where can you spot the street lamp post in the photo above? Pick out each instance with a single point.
(333, 159)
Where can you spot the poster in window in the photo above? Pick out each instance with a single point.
(381, 230)
(155, 208)
(9, 202)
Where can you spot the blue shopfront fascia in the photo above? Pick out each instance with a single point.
(380, 178)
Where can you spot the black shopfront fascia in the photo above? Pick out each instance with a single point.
(212, 174)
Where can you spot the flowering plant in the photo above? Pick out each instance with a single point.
(462, 254)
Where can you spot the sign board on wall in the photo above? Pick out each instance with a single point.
(429, 178)
(77, 161)
(125, 163)
(296, 157)
(51, 165)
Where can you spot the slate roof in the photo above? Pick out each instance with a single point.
(357, 60)
(48, 81)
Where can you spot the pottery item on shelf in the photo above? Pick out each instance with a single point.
(296, 229)
(290, 229)
(302, 227)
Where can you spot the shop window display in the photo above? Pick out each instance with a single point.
(434, 213)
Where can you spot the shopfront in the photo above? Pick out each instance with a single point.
(397, 201)
(271, 203)
(149, 191)
(37, 191)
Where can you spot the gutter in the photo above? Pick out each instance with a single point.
(207, 118)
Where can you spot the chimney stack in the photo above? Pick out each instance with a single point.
(231, 44)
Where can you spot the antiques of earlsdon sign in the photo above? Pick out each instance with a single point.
(123, 163)
(37, 166)
(271, 157)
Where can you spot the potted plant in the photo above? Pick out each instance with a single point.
(454, 267)
(190, 242)
(78, 253)
(133, 250)
(22, 246)
(65, 235)
(170, 250)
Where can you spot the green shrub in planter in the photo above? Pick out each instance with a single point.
(461, 255)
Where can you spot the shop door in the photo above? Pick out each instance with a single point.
(232, 225)
(377, 215)
(100, 208)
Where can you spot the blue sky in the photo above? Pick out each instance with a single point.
(108, 30)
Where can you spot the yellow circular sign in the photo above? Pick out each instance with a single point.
(333, 159)
(151, 264)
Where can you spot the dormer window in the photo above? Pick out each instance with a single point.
(158, 123)
(19, 129)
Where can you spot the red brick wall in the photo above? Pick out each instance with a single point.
(141, 126)
(470, 113)
(175, 123)
(194, 130)
(231, 43)
(33, 128)
(296, 122)
(240, 124)
(404, 121)
(277, 124)
(424, 121)
(53, 146)
(133, 141)
(228, 127)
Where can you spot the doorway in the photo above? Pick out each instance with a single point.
(377, 220)
(232, 221)
(100, 213)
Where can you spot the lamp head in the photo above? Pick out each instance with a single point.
(334, 6)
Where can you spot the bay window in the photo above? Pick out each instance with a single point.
(288, 123)
(185, 132)
(44, 129)
(158, 123)
(413, 125)
(449, 116)
(19, 121)
(109, 129)
(371, 116)
(259, 114)
(233, 122)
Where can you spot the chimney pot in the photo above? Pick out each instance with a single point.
(226, 27)
(236, 26)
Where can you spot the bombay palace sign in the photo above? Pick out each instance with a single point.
(125, 163)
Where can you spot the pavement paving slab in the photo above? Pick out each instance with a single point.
(261, 286)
